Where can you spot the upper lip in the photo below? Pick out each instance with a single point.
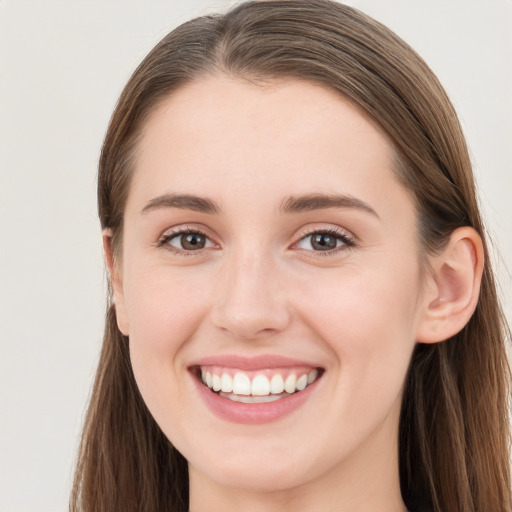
(252, 363)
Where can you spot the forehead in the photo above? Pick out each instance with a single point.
(231, 136)
(282, 110)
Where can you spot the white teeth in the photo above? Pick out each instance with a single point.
(302, 382)
(227, 383)
(277, 384)
(216, 383)
(260, 386)
(313, 374)
(289, 383)
(241, 384)
(253, 399)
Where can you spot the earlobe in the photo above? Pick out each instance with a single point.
(453, 287)
(115, 282)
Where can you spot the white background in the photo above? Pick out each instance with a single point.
(62, 66)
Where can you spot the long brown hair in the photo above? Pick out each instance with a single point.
(454, 431)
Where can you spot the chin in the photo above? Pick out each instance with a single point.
(261, 476)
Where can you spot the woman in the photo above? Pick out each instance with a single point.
(302, 315)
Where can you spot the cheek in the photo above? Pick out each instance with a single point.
(368, 325)
(164, 308)
(367, 318)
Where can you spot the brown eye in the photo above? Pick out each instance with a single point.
(192, 241)
(326, 241)
(186, 241)
(323, 242)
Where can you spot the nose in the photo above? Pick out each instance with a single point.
(250, 302)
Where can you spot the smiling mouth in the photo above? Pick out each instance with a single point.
(260, 386)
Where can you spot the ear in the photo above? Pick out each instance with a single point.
(453, 287)
(116, 282)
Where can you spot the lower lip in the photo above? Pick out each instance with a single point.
(238, 412)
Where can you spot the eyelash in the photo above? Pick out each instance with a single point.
(164, 240)
(347, 240)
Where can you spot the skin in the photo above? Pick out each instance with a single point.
(260, 287)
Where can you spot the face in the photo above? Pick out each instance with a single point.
(267, 244)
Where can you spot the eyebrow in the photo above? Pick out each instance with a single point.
(292, 204)
(310, 202)
(183, 202)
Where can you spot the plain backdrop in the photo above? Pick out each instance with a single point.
(62, 66)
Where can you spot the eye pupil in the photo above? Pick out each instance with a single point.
(192, 241)
(323, 241)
